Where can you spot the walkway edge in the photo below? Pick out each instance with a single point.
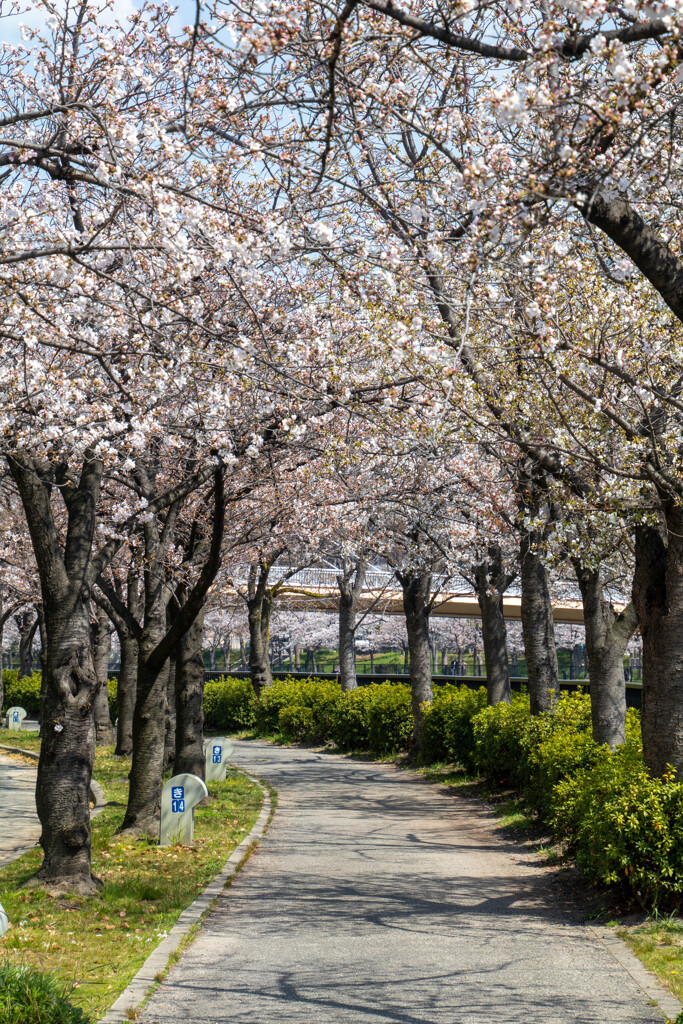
(148, 975)
(645, 979)
(96, 791)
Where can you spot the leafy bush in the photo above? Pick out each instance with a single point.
(350, 726)
(503, 736)
(625, 827)
(448, 730)
(297, 724)
(28, 996)
(112, 691)
(23, 693)
(390, 720)
(321, 696)
(229, 704)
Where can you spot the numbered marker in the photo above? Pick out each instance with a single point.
(15, 716)
(218, 750)
(179, 797)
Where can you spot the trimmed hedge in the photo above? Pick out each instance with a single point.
(229, 704)
(28, 996)
(23, 693)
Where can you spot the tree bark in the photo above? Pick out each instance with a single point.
(27, 624)
(350, 581)
(104, 730)
(607, 636)
(258, 612)
(658, 599)
(491, 582)
(417, 606)
(68, 748)
(538, 627)
(189, 693)
(170, 718)
(125, 693)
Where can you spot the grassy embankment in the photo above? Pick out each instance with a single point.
(98, 944)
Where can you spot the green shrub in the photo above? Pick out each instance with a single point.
(448, 730)
(112, 691)
(297, 724)
(350, 728)
(390, 720)
(23, 693)
(625, 827)
(28, 996)
(503, 736)
(229, 704)
(321, 696)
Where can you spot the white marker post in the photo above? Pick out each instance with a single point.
(15, 716)
(179, 797)
(218, 750)
(4, 920)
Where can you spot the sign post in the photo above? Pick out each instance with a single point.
(15, 716)
(179, 797)
(218, 749)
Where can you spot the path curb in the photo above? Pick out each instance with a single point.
(138, 988)
(644, 979)
(96, 791)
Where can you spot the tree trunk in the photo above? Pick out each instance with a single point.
(538, 629)
(491, 583)
(189, 693)
(658, 599)
(125, 693)
(68, 748)
(347, 644)
(27, 626)
(258, 609)
(416, 605)
(104, 730)
(170, 718)
(607, 636)
(149, 726)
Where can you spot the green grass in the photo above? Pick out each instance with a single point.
(97, 944)
(658, 942)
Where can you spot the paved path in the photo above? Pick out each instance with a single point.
(19, 825)
(375, 897)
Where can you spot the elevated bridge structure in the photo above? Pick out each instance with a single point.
(316, 590)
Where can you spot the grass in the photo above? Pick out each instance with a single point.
(658, 943)
(97, 944)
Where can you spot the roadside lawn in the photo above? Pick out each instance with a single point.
(97, 944)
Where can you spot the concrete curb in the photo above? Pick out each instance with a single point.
(137, 990)
(644, 979)
(96, 791)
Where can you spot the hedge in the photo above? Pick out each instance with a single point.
(23, 693)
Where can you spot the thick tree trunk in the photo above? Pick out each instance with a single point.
(258, 609)
(350, 581)
(607, 636)
(490, 586)
(189, 736)
(538, 629)
(104, 730)
(68, 748)
(125, 693)
(417, 606)
(27, 624)
(149, 725)
(297, 658)
(658, 599)
(347, 645)
(170, 719)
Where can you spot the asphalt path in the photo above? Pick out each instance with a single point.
(19, 825)
(375, 897)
